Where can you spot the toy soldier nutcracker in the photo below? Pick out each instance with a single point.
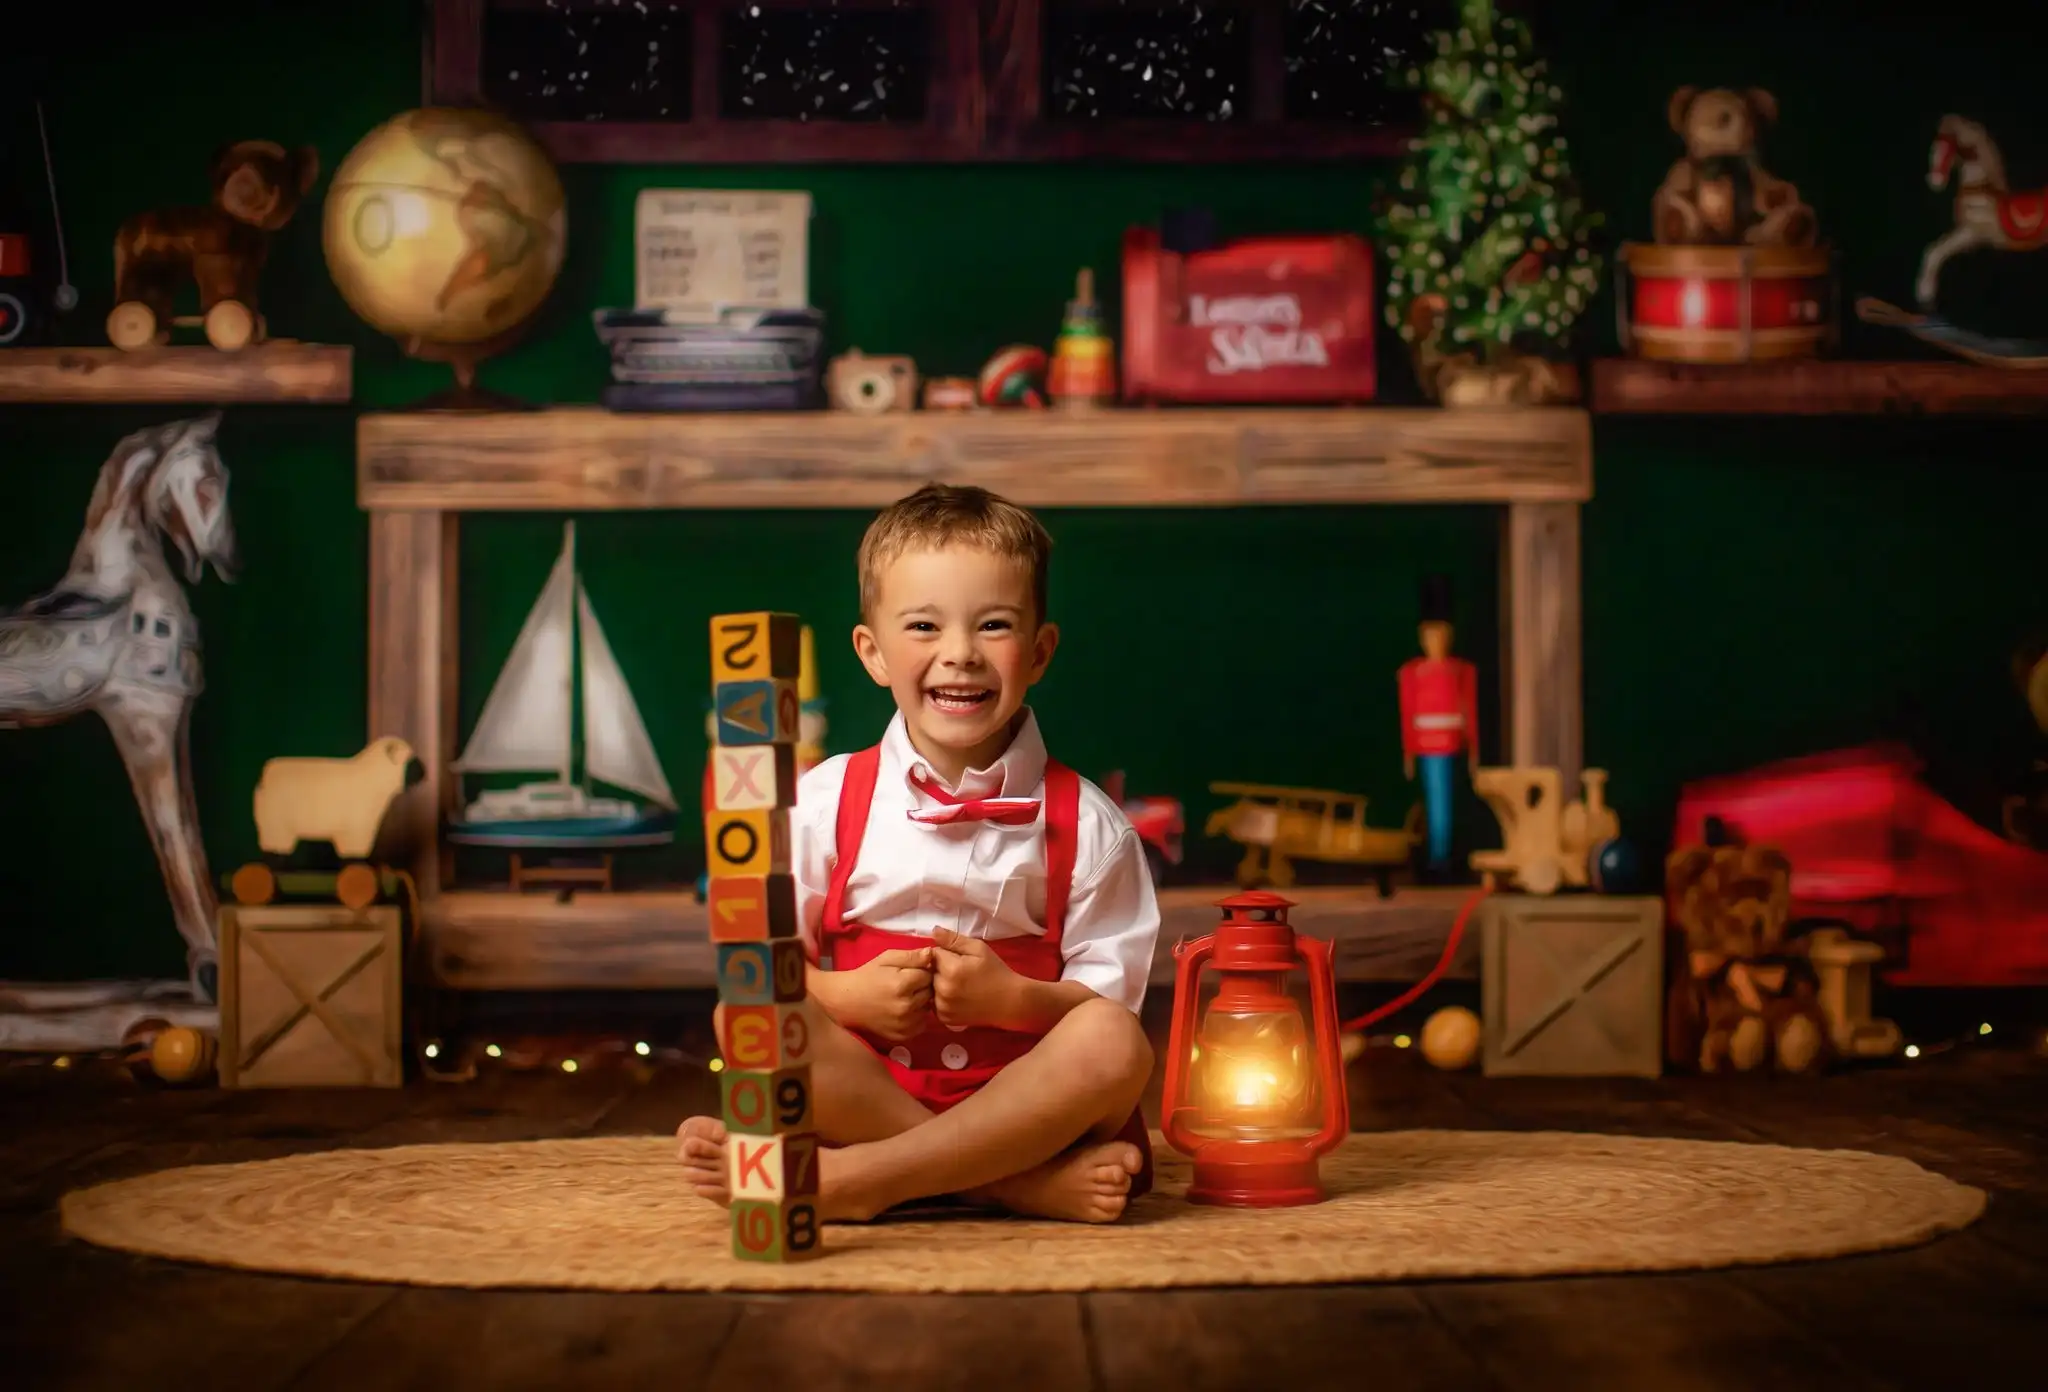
(1439, 717)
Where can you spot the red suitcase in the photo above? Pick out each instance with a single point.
(1255, 321)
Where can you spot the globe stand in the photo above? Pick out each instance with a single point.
(465, 358)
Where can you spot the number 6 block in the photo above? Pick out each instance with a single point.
(768, 1231)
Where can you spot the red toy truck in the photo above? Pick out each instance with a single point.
(1874, 848)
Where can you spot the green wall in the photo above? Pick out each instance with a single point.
(1752, 589)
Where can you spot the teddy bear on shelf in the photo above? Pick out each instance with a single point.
(1720, 192)
(1743, 995)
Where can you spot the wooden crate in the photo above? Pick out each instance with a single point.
(311, 996)
(1572, 985)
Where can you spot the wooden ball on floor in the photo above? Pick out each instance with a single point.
(182, 1054)
(1450, 1038)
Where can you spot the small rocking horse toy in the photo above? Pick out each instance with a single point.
(117, 636)
(1988, 215)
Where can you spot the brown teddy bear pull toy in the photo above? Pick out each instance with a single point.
(257, 186)
(1744, 995)
(1720, 193)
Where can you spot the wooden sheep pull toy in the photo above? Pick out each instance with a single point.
(340, 801)
(1546, 842)
(257, 187)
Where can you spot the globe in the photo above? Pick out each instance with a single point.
(445, 228)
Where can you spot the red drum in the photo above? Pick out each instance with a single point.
(1726, 304)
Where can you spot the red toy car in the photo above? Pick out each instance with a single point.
(1874, 848)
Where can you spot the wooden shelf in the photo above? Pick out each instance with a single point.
(495, 940)
(275, 372)
(1816, 387)
(586, 458)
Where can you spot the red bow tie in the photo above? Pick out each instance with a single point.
(1007, 811)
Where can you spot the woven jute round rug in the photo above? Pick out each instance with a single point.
(610, 1214)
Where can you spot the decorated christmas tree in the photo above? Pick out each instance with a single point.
(1487, 242)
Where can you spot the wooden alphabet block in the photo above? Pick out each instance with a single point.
(765, 1038)
(766, 1104)
(750, 908)
(748, 647)
(750, 776)
(750, 841)
(764, 1230)
(761, 973)
(754, 713)
(773, 1168)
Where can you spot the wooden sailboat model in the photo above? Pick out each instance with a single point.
(530, 724)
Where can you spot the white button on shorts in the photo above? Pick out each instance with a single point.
(900, 1055)
(953, 1056)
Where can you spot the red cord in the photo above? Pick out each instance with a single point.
(1435, 972)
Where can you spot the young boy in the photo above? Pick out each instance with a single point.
(981, 918)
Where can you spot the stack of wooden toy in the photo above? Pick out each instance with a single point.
(764, 1032)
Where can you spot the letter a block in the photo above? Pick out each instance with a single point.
(767, 1231)
(766, 1104)
(751, 908)
(754, 841)
(752, 713)
(750, 776)
(750, 647)
(765, 1038)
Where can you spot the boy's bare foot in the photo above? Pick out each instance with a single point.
(700, 1146)
(1088, 1184)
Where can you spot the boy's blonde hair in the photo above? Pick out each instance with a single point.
(944, 514)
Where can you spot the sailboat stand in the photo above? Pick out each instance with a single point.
(530, 724)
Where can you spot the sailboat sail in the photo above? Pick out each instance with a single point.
(616, 748)
(527, 721)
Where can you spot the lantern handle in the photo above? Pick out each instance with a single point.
(1188, 959)
(1322, 980)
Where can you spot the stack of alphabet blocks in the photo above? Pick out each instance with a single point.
(765, 1036)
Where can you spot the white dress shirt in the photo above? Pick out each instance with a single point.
(981, 879)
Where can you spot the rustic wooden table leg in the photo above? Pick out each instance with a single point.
(1541, 637)
(413, 612)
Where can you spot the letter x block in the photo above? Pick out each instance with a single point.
(749, 776)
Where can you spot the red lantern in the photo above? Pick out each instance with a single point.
(1255, 1096)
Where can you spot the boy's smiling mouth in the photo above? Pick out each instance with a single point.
(958, 700)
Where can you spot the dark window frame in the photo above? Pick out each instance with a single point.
(985, 104)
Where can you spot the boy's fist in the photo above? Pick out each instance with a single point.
(970, 984)
(895, 995)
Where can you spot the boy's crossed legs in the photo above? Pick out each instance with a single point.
(1036, 1138)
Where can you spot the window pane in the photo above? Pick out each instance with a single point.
(588, 60)
(826, 62)
(1130, 59)
(1341, 53)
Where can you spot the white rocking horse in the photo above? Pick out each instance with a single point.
(117, 637)
(1988, 214)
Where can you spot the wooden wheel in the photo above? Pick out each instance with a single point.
(230, 325)
(133, 325)
(254, 883)
(1541, 876)
(356, 886)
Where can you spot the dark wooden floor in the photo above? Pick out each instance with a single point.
(1967, 1312)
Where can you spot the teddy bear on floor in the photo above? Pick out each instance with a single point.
(1743, 995)
(1720, 193)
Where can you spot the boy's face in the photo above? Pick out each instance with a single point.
(955, 639)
